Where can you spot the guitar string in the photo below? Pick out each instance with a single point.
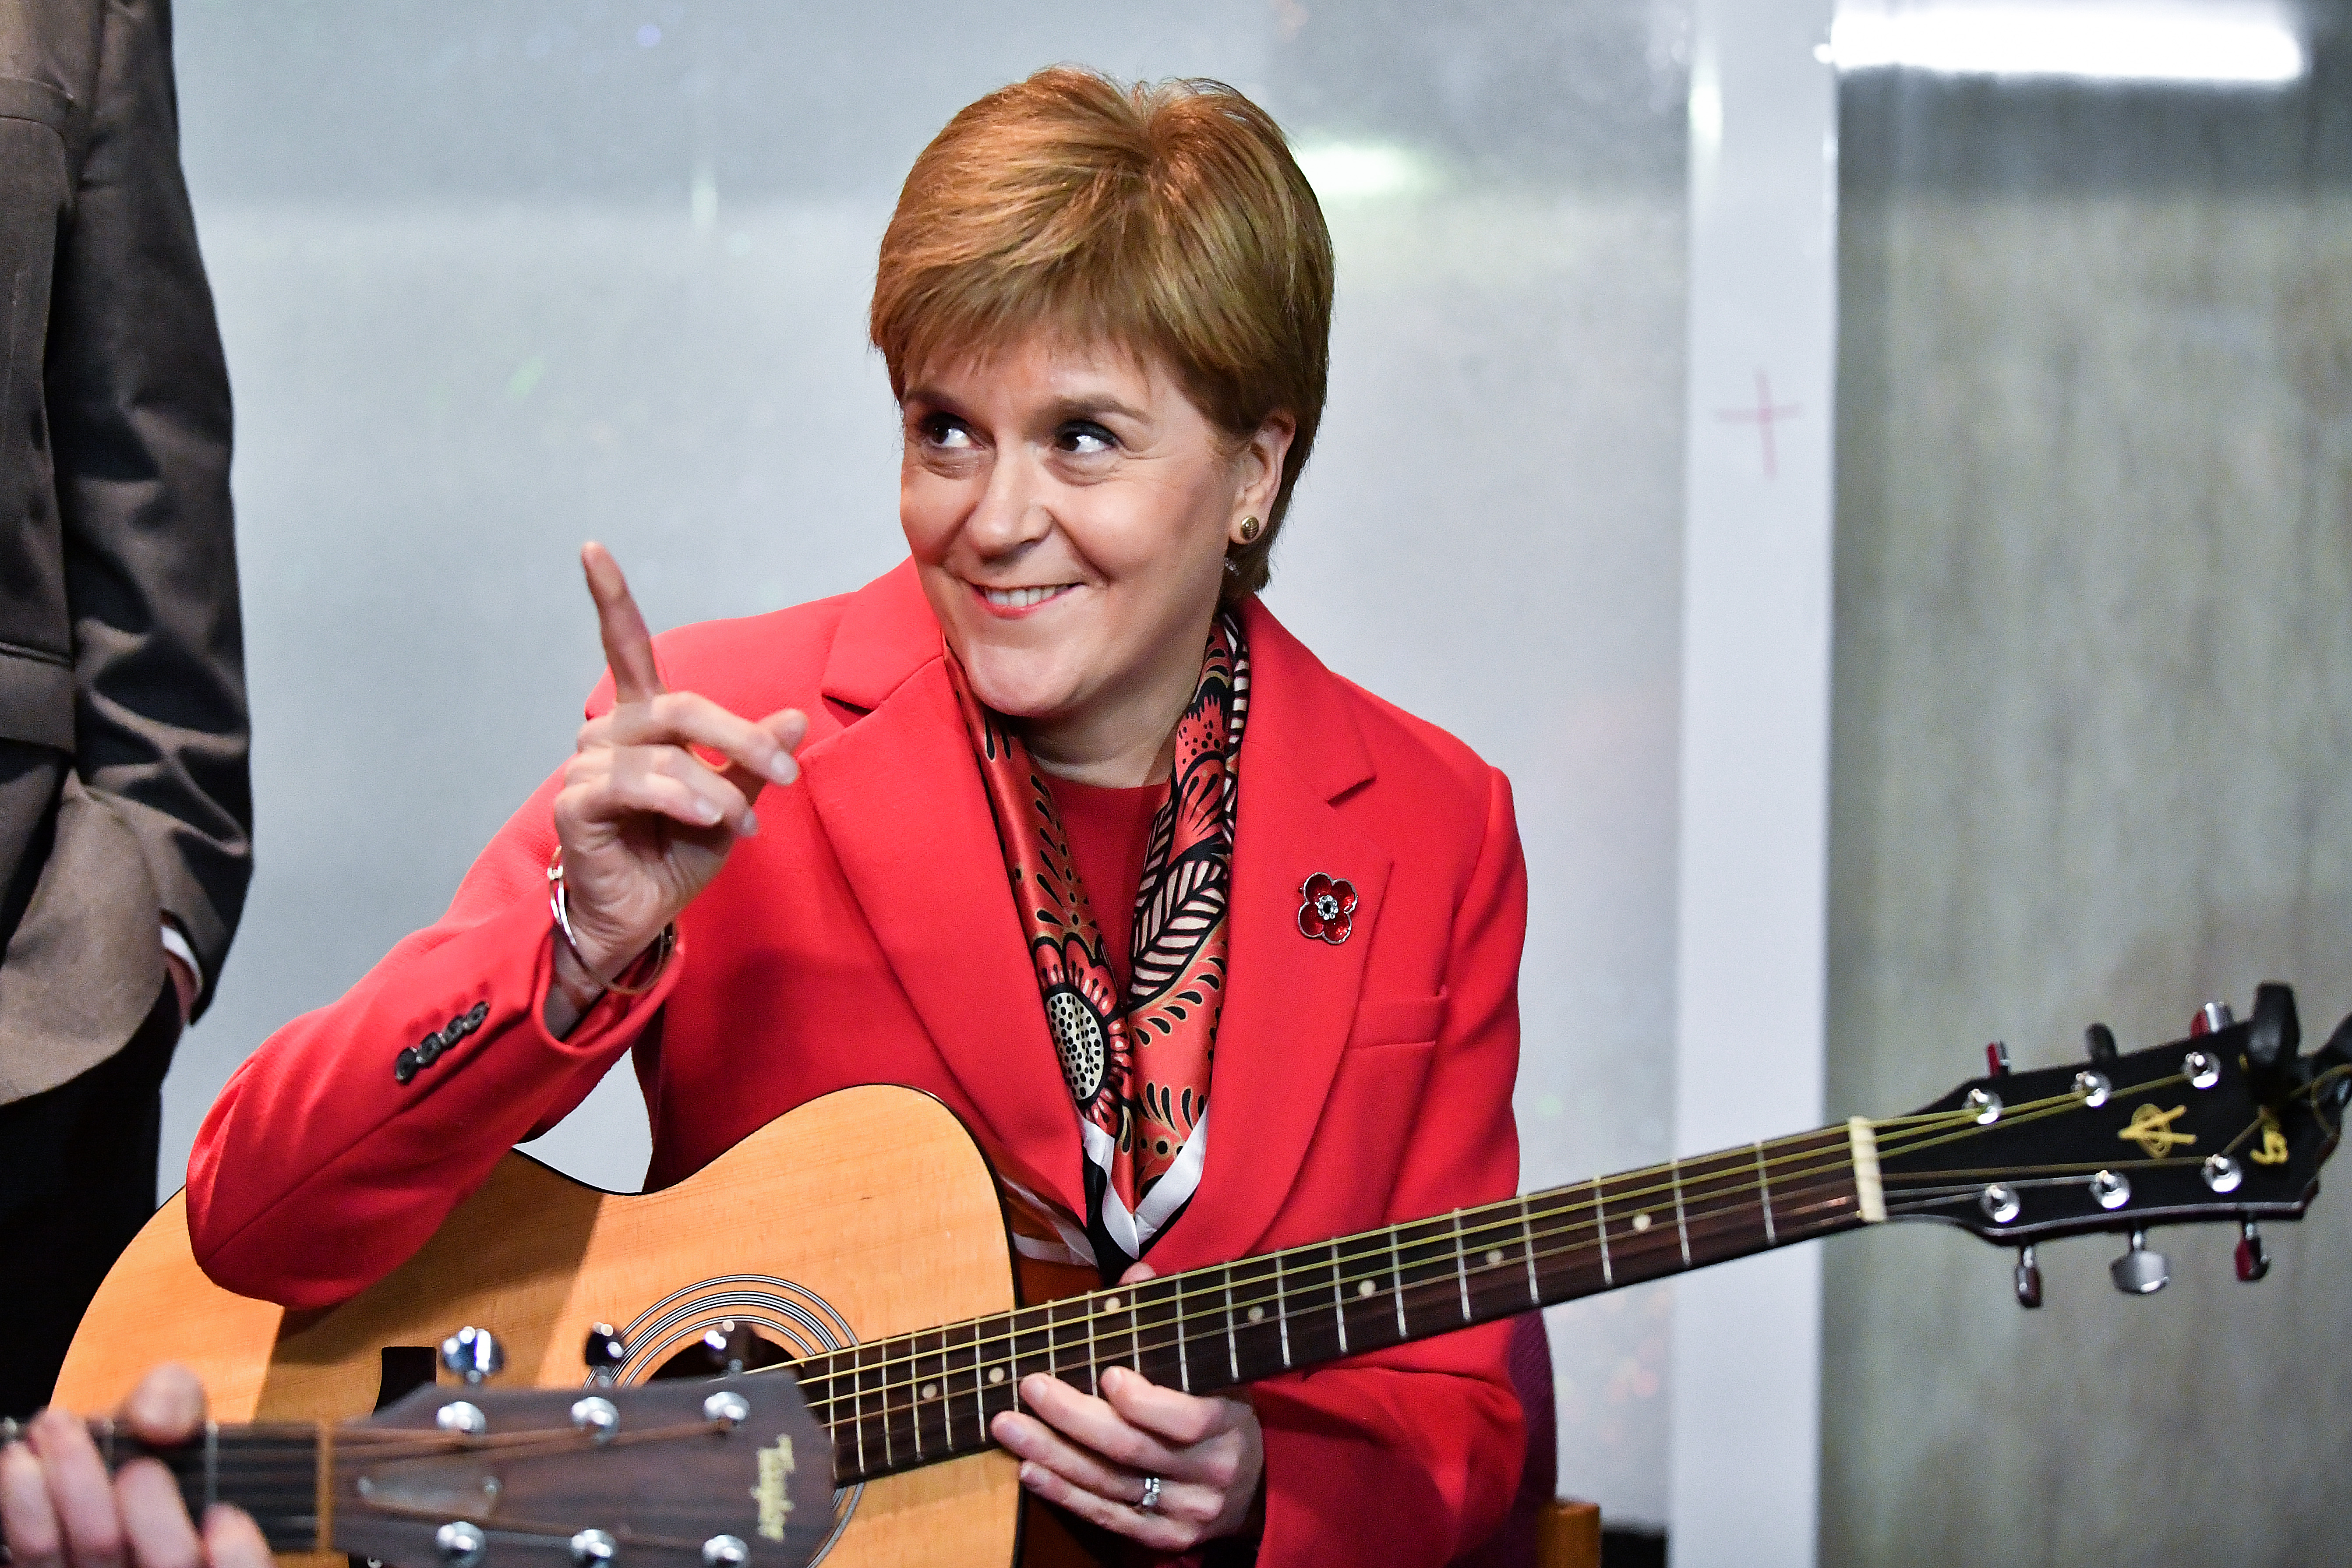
(1944, 1127)
(1697, 1221)
(1690, 1174)
(1426, 1285)
(1286, 1270)
(1488, 1222)
(1326, 1280)
(890, 1411)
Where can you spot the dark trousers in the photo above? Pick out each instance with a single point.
(77, 1181)
(77, 1162)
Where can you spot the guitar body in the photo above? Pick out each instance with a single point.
(866, 1214)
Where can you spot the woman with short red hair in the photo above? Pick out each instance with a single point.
(1060, 826)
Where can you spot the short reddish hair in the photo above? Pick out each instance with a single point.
(1168, 217)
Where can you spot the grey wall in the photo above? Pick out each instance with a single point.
(2093, 703)
(496, 278)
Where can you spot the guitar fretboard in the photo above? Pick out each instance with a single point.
(898, 1404)
(270, 1470)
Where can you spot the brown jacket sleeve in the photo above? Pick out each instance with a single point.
(139, 410)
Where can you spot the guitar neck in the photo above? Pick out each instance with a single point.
(898, 1404)
(271, 1470)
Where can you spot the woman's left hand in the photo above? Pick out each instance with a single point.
(1092, 1455)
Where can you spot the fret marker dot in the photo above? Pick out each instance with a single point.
(1365, 1289)
(930, 1391)
(1494, 1258)
(1641, 1222)
(996, 1374)
(1257, 1314)
(1110, 1304)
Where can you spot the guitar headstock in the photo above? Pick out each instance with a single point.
(730, 1473)
(2230, 1124)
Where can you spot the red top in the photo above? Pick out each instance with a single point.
(1358, 1083)
(1110, 833)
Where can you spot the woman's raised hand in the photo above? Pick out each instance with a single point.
(60, 1510)
(657, 793)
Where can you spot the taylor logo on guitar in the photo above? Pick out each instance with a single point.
(895, 1336)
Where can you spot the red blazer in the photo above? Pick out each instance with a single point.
(867, 934)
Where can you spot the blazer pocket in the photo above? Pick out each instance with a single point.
(39, 102)
(1398, 1020)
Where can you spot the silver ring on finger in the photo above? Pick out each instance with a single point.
(1150, 1501)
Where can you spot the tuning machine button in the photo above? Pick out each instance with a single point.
(2254, 1261)
(604, 1352)
(2139, 1272)
(597, 1417)
(2211, 1019)
(473, 1354)
(2028, 1278)
(461, 1544)
(2100, 1042)
(462, 1416)
(729, 1345)
(1997, 1059)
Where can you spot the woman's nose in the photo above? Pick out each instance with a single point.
(1012, 510)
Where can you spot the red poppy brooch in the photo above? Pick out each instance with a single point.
(1327, 908)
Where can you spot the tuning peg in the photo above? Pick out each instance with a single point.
(2253, 1262)
(729, 1345)
(473, 1354)
(2100, 1041)
(2211, 1019)
(1997, 1059)
(605, 1351)
(2139, 1272)
(2028, 1278)
(2273, 1042)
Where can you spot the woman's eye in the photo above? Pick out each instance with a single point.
(948, 435)
(1084, 438)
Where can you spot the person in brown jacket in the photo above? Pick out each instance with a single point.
(125, 805)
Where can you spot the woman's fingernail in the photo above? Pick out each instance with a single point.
(750, 828)
(784, 770)
(705, 812)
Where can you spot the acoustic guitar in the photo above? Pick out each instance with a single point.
(859, 1241)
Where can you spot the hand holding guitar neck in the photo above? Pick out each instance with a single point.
(59, 1509)
(659, 790)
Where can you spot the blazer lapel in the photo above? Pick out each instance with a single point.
(900, 797)
(1290, 999)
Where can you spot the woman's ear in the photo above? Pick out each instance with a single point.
(1260, 464)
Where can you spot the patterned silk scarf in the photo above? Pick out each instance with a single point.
(1137, 1065)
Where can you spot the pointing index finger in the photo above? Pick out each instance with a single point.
(628, 646)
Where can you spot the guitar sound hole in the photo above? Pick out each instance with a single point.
(697, 1360)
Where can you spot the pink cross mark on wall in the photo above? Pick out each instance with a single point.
(1764, 416)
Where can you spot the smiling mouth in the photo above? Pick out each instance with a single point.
(1021, 598)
